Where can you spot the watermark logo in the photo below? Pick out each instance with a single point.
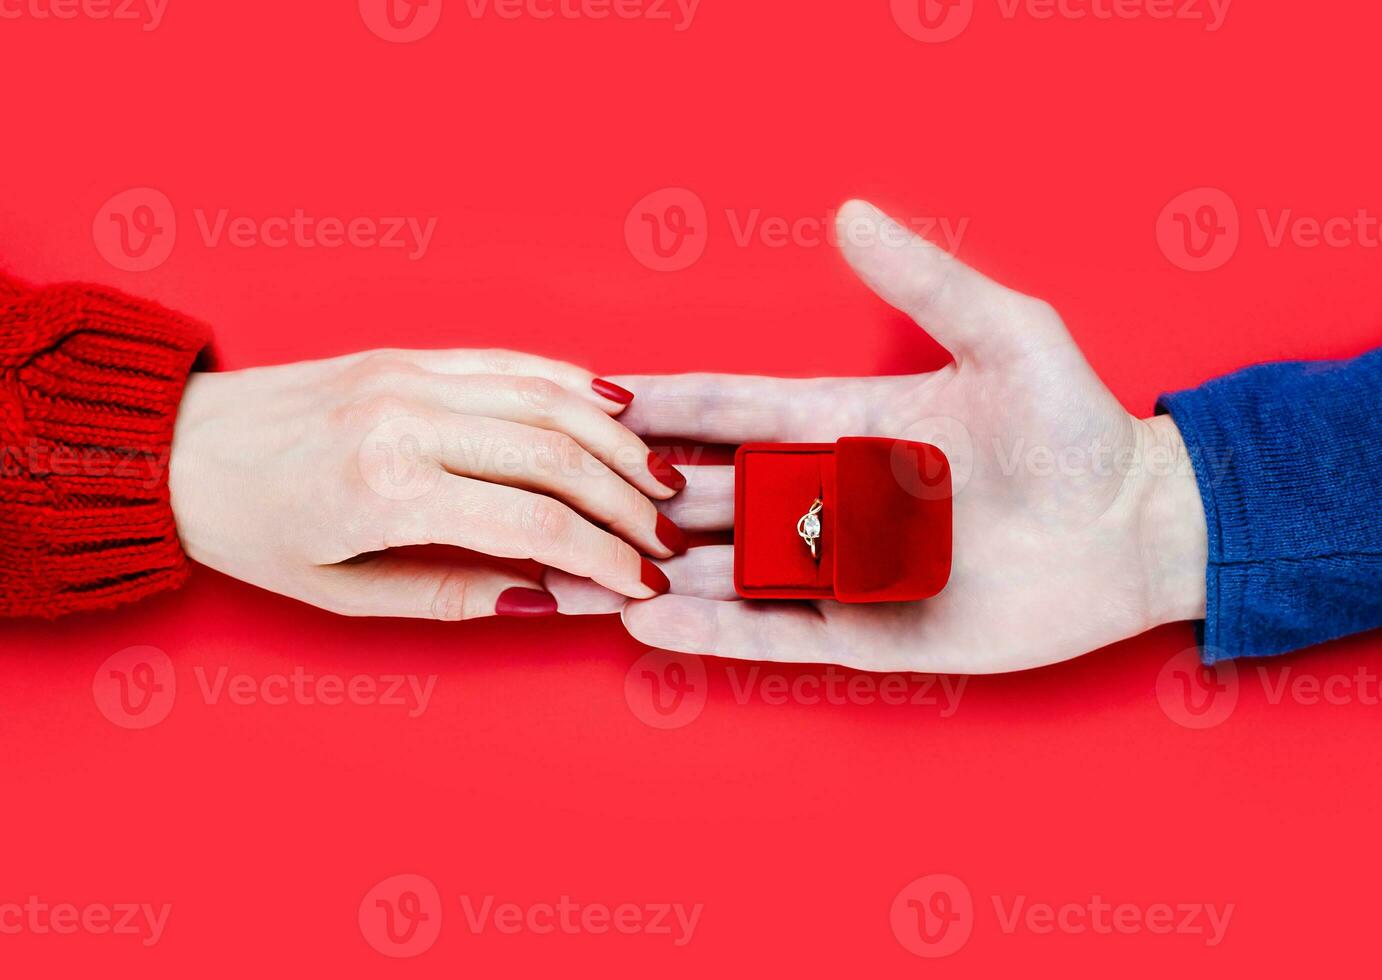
(401, 21)
(136, 687)
(397, 458)
(1195, 696)
(667, 229)
(666, 690)
(1200, 697)
(933, 916)
(953, 438)
(401, 916)
(932, 21)
(1198, 230)
(136, 229)
(937, 21)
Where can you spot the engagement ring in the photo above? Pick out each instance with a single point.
(809, 527)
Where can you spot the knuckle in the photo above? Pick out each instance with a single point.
(539, 394)
(557, 453)
(545, 522)
(371, 410)
(450, 598)
(613, 555)
(380, 370)
(1037, 310)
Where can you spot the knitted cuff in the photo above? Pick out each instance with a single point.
(1285, 457)
(90, 382)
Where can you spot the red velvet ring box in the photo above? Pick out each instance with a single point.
(885, 520)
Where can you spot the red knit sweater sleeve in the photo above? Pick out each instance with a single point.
(90, 382)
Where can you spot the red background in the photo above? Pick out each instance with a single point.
(529, 776)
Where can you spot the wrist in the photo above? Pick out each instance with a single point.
(187, 484)
(1172, 532)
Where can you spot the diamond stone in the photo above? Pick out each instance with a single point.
(811, 525)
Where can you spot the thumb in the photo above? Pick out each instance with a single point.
(969, 314)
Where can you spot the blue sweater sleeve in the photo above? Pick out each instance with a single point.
(1288, 458)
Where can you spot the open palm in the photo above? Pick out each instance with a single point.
(1075, 523)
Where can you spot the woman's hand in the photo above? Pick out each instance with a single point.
(1075, 524)
(300, 478)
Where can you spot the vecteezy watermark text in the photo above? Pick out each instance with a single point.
(301, 230)
(1199, 696)
(36, 917)
(402, 917)
(408, 691)
(669, 690)
(935, 915)
(36, 459)
(136, 230)
(406, 21)
(147, 13)
(833, 685)
(137, 687)
(668, 229)
(1199, 230)
(937, 21)
(569, 917)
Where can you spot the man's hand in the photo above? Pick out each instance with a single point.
(1076, 524)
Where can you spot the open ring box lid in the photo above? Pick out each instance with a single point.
(885, 520)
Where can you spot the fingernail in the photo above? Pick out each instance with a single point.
(666, 474)
(672, 537)
(610, 390)
(654, 579)
(525, 602)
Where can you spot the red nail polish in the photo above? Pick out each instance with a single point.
(610, 390)
(672, 537)
(667, 474)
(654, 579)
(525, 602)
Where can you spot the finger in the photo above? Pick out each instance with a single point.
(736, 408)
(554, 463)
(965, 311)
(706, 503)
(705, 573)
(510, 523)
(543, 404)
(412, 589)
(609, 396)
(775, 631)
(578, 596)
